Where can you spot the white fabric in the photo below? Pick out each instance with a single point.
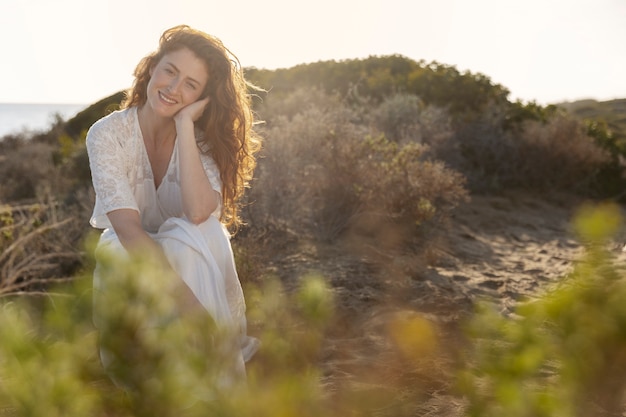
(200, 254)
(122, 175)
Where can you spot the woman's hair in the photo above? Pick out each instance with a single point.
(226, 126)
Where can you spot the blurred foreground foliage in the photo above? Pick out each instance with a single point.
(163, 364)
(563, 354)
(560, 355)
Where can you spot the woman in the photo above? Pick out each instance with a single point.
(169, 169)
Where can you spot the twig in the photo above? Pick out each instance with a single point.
(29, 236)
(16, 288)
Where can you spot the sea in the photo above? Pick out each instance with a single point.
(18, 118)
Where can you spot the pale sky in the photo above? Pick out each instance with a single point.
(79, 51)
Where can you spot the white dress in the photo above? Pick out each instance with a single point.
(200, 254)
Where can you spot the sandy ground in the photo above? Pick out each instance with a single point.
(503, 249)
(509, 248)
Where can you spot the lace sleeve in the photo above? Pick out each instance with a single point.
(109, 171)
(212, 172)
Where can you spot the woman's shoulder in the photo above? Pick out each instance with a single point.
(117, 121)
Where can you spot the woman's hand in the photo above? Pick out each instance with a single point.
(191, 112)
(199, 200)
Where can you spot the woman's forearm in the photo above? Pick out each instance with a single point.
(199, 199)
(134, 239)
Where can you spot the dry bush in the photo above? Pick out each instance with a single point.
(481, 149)
(559, 155)
(26, 170)
(538, 156)
(288, 181)
(326, 166)
(289, 105)
(405, 118)
(45, 206)
(32, 168)
(398, 117)
(39, 244)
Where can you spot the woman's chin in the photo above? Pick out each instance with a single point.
(164, 110)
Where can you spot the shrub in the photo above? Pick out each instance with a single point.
(398, 117)
(327, 165)
(38, 246)
(611, 178)
(49, 361)
(27, 170)
(538, 156)
(291, 185)
(559, 155)
(71, 158)
(564, 354)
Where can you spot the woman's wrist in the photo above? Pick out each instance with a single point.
(183, 124)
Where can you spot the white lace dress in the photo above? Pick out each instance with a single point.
(200, 254)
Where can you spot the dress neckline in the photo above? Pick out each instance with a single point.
(147, 158)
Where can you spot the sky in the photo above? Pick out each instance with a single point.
(548, 51)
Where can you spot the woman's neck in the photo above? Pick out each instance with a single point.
(157, 130)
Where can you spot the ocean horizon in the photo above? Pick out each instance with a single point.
(25, 118)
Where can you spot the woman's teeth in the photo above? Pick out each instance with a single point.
(166, 99)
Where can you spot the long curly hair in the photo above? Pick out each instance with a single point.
(225, 129)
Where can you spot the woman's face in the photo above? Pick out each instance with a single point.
(176, 81)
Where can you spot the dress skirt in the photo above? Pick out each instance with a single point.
(202, 257)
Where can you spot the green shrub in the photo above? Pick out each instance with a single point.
(564, 353)
(77, 125)
(71, 158)
(178, 366)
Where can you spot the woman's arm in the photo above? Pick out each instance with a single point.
(138, 243)
(199, 197)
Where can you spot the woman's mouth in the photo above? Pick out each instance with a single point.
(167, 99)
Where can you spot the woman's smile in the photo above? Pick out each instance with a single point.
(166, 98)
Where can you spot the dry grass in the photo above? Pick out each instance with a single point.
(40, 246)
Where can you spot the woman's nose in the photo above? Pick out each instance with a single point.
(174, 84)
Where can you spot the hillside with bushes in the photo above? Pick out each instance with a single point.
(612, 113)
(391, 198)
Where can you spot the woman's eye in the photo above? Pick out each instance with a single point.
(192, 86)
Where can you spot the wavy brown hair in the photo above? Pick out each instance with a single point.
(225, 128)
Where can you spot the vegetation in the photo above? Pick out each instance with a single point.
(373, 154)
(564, 356)
(610, 113)
(50, 364)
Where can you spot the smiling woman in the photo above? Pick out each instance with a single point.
(169, 169)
